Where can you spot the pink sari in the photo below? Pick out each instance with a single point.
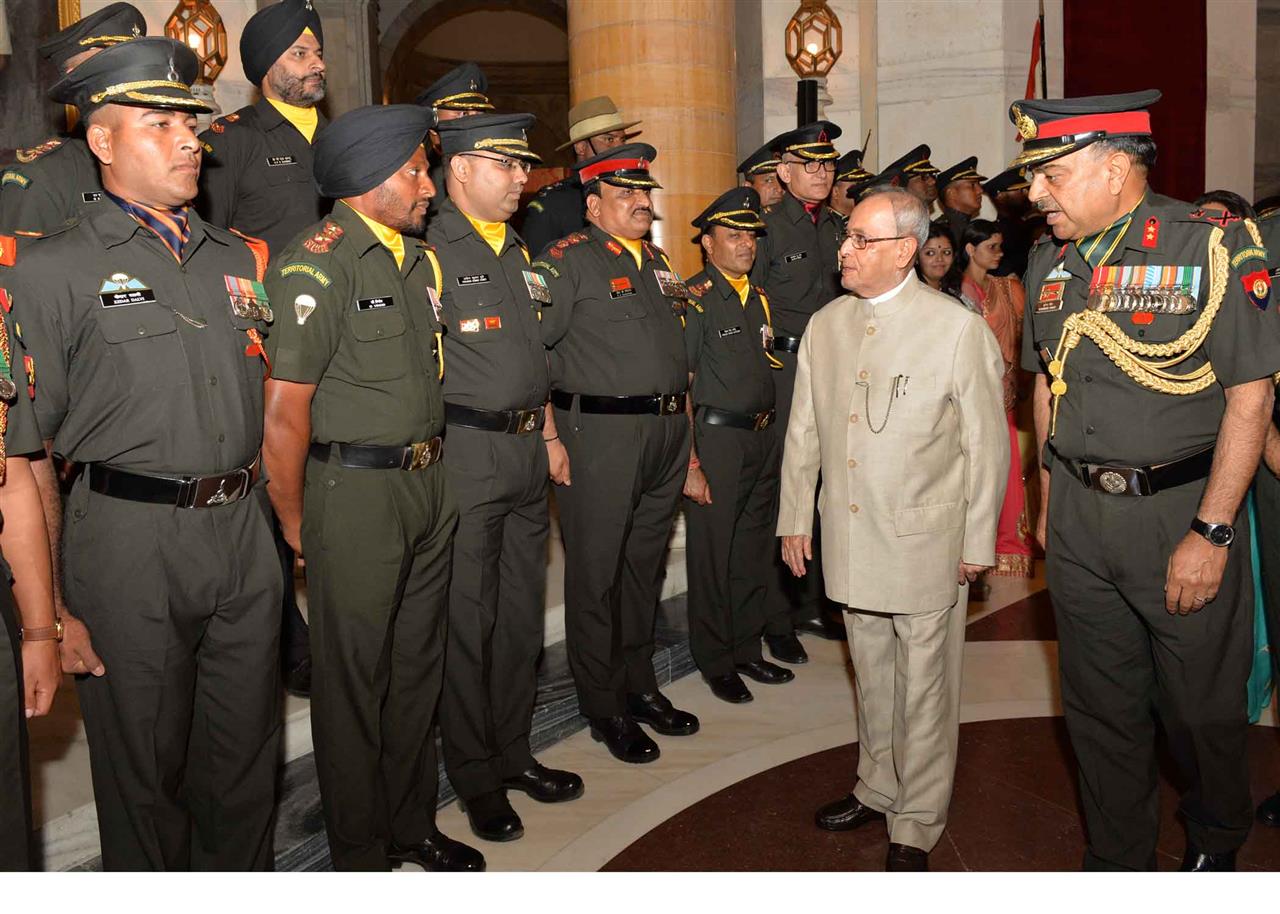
(1002, 304)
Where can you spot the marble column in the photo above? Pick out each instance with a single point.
(669, 63)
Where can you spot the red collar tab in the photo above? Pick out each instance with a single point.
(1131, 122)
(1151, 233)
(591, 172)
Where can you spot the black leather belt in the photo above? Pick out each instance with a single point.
(509, 421)
(657, 405)
(754, 422)
(417, 456)
(786, 343)
(1137, 481)
(177, 491)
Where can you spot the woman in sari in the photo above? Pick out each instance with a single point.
(1001, 300)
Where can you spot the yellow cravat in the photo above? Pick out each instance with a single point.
(392, 240)
(741, 285)
(495, 233)
(305, 119)
(632, 246)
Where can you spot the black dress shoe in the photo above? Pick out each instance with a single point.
(825, 626)
(546, 785)
(845, 814)
(786, 648)
(1269, 811)
(1197, 862)
(766, 672)
(297, 678)
(624, 739)
(492, 817)
(658, 712)
(903, 858)
(439, 854)
(730, 687)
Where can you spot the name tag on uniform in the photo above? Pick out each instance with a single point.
(536, 283)
(91, 196)
(122, 289)
(375, 304)
(730, 331)
(473, 279)
(671, 285)
(798, 255)
(1050, 298)
(275, 161)
(620, 287)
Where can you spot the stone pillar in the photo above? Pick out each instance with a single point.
(669, 63)
(351, 53)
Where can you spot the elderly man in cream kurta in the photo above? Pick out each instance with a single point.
(898, 404)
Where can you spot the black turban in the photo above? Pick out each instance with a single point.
(271, 31)
(365, 146)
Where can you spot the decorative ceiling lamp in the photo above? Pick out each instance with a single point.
(813, 39)
(197, 25)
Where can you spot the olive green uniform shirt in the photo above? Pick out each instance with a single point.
(41, 194)
(363, 331)
(726, 344)
(797, 263)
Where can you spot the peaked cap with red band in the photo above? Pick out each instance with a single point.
(621, 166)
(1051, 128)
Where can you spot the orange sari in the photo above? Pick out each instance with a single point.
(1002, 303)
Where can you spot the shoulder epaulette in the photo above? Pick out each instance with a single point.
(261, 252)
(27, 156)
(1221, 220)
(770, 208)
(701, 288)
(654, 251)
(557, 250)
(323, 241)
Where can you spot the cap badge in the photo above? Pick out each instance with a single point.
(822, 135)
(310, 8)
(173, 70)
(472, 86)
(137, 32)
(1026, 126)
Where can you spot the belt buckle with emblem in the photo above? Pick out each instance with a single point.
(667, 406)
(763, 420)
(528, 421)
(1112, 482)
(421, 455)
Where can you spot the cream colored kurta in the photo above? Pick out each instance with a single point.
(901, 508)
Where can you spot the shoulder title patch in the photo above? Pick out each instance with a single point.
(1252, 252)
(16, 178)
(311, 271)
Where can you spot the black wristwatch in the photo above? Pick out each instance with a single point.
(1217, 534)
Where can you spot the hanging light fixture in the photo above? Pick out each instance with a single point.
(813, 39)
(197, 25)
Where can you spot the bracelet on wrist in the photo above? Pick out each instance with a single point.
(694, 463)
(552, 438)
(45, 633)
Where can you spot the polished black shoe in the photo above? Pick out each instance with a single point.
(827, 626)
(658, 712)
(786, 648)
(439, 854)
(1269, 811)
(903, 858)
(624, 739)
(766, 672)
(730, 687)
(297, 678)
(546, 785)
(845, 814)
(492, 817)
(1197, 862)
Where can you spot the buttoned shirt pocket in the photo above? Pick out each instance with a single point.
(288, 173)
(143, 345)
(915, 410)
(477, 314)
(381, 345)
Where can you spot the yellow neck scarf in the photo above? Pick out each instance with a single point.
(304, 119)
(392, 240)
(632, 246)
(741, 285)
(495, 233)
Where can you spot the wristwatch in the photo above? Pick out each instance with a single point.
(1217, 534)
(47, 633)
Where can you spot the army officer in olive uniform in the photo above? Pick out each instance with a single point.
(51, 181)
(257, 176)
(354, 418)
(796, 267)
(732, 482)
(459, 93)
(144, 324)
(1154, 331)
(619, 376)
(495, 394)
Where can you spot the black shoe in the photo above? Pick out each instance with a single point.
(766, 672)
(492, 817)
(730, 687)
(786, 648)
(658, 712)
(1197, 862)
(546, 785)
(1269, 811)
(439, 854)
(297, 678)
(845, 814)
(825, 626)
(903, 858)
(624, 739)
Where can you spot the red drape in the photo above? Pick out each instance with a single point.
(1125, 45)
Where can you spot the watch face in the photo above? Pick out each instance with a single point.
(1222, 535)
